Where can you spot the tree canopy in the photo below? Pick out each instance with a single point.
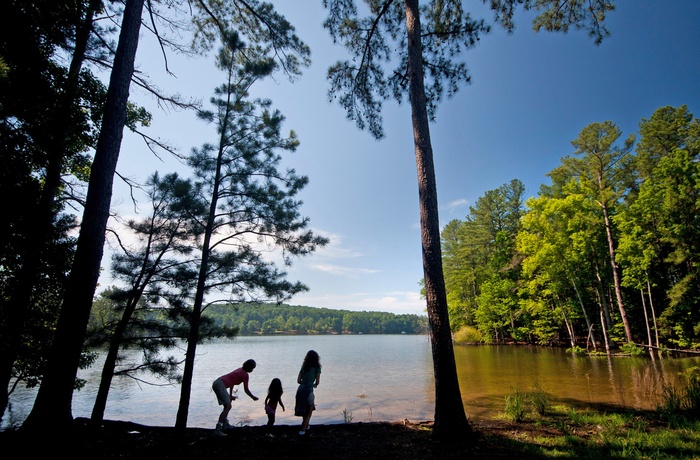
(617, 224)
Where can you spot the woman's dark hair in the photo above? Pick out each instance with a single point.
(275, 388)
(311, 360)
(249, 365)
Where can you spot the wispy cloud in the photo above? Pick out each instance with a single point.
(454, 205)
(399, 302)
(335, 249)
(343, 271)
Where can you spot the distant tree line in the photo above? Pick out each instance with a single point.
(607, 255)
(268, 318)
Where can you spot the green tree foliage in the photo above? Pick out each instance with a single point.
(481, 262)
(660, 242)
(677, 190)
(668, 129)
(565, 288)
(602, 174)
(559, 249)
(464, 261)
(644, 247)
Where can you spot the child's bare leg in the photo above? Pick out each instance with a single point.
(224, 413)
(307, 419)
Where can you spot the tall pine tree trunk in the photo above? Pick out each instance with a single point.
(193, 337)
(450, 419)
(54, 399)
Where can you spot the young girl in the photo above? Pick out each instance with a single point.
(274, 396)
(228, 381)
(308, 379)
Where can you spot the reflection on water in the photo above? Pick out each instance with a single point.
(376, 377)
(488, 373)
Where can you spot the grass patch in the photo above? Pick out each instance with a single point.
(589, 434)
(519, 404)
(515, 406)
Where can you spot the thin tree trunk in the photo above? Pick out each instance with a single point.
(98, 409)
(605, 331)
(616, 276)
(646, 317)
(653, 313)
(193, 337)
(591, 335)
(450, 418)
(604, 315)
(569, 327)
(54, 399)
(602, 300)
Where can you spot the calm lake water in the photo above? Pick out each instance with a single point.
(375, 378)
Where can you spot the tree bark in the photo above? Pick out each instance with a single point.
(605, 331)
(646, 318)
(54, 399)
(450, 418)
(653, 313)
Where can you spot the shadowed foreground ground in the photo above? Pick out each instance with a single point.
(341, 441)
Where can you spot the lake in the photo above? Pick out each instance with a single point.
(375, 378)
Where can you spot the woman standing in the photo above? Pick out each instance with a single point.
(308, 379)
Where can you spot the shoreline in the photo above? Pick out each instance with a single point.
(367, 440)
(563, 432)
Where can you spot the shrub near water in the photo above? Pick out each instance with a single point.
(468, 335)
(632, 349)
(577, 351)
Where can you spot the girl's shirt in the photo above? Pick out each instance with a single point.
(235, 378)
(308, 377)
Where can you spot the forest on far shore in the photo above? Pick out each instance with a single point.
(267, 318)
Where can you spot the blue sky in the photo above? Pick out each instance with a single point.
(530, 96)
